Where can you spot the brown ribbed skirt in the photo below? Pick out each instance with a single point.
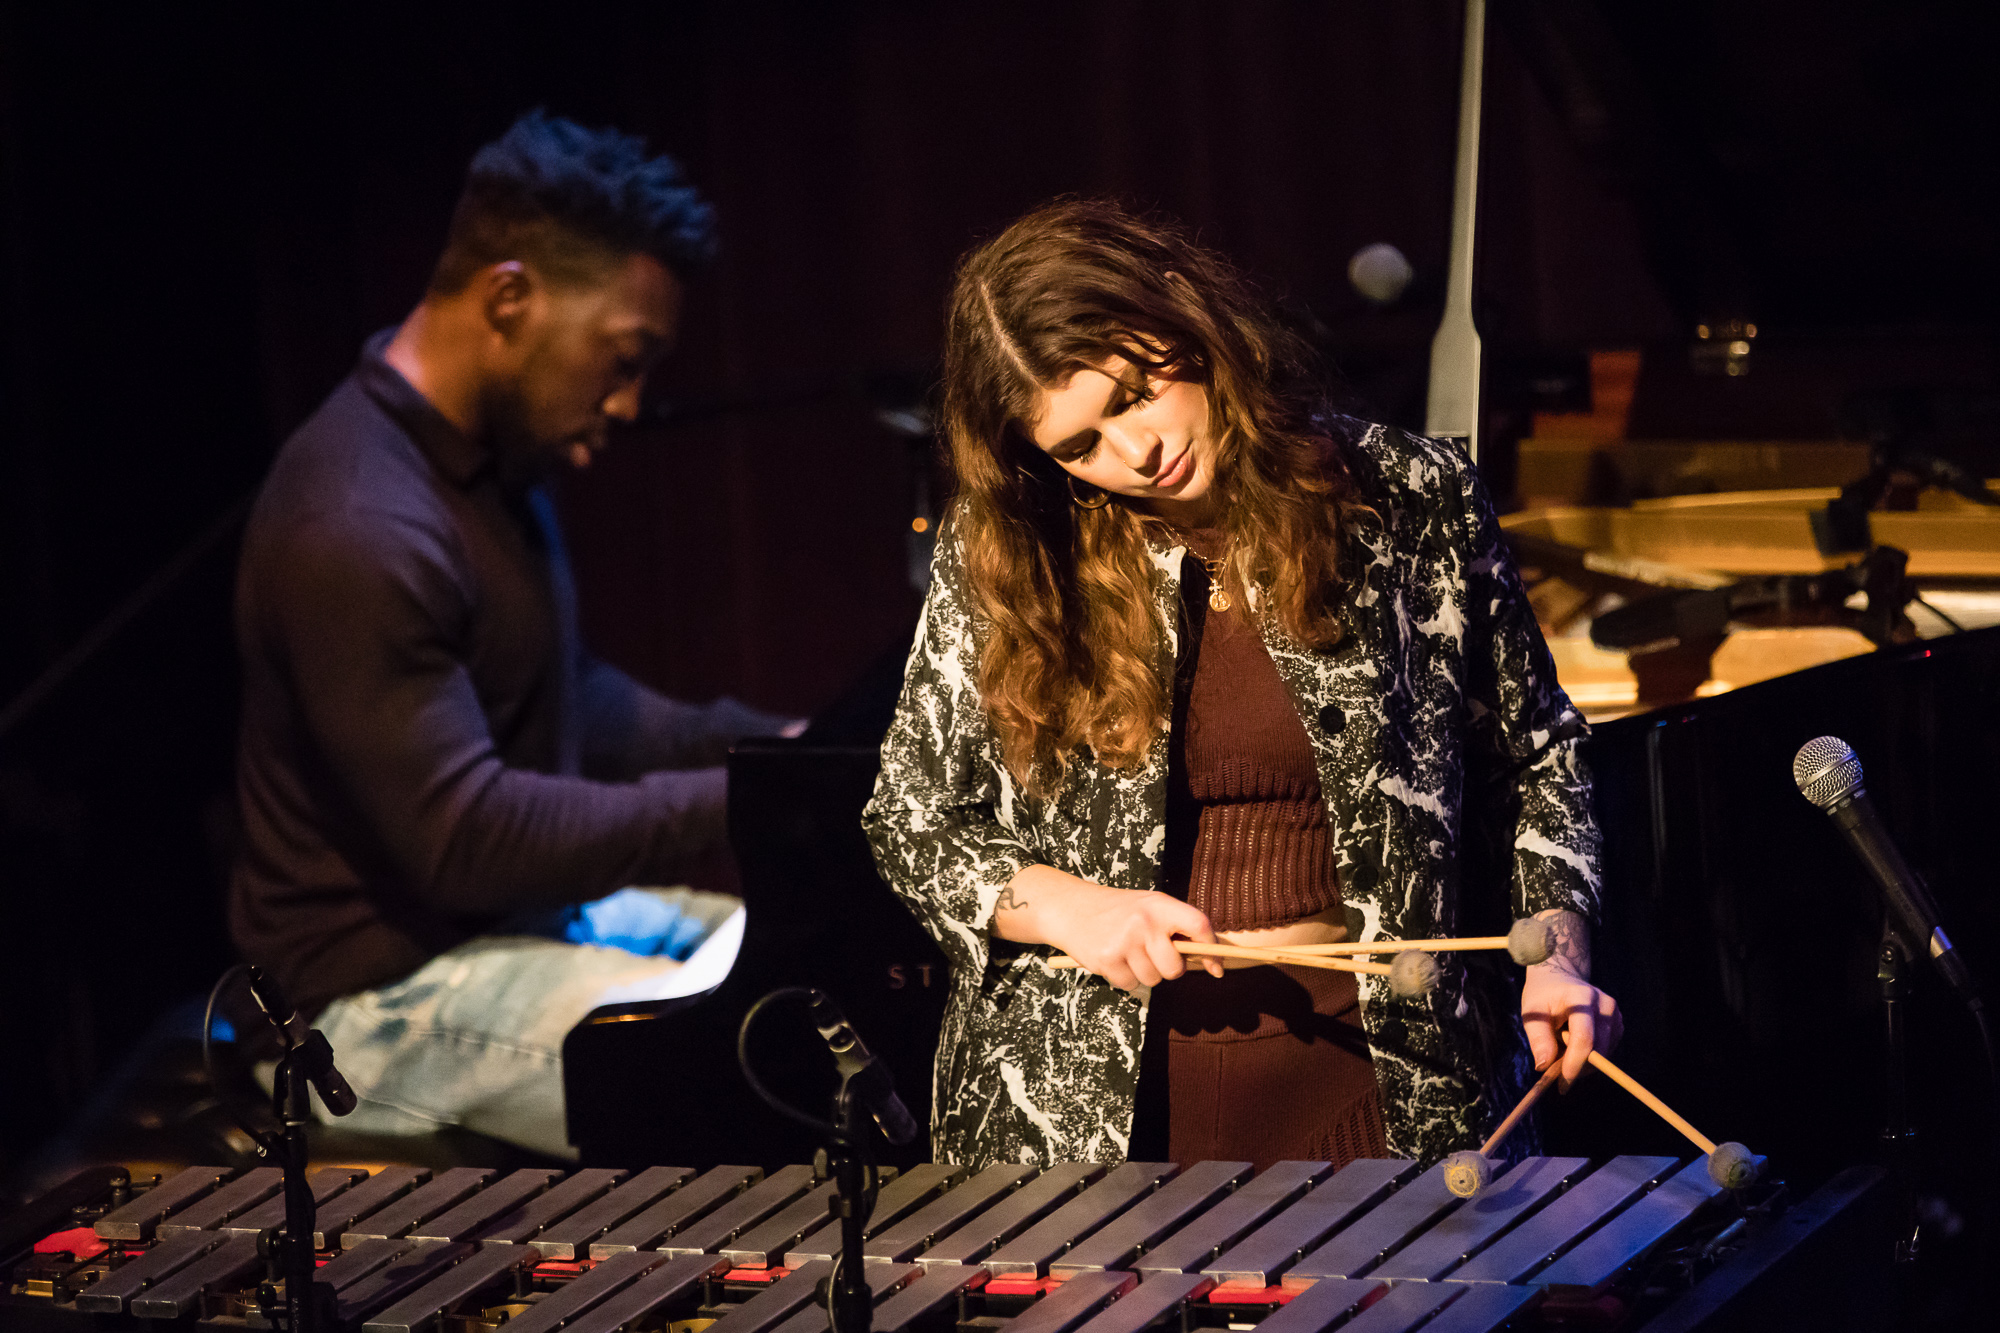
(1264, 1064)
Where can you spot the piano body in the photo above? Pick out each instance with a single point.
(642, 1077)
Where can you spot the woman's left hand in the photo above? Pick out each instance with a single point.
(1559, 999)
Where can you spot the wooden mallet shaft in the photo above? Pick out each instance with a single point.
(1399, 946)
(1532, 940)
(1664, 1111)
(1520, 1111)
(1196, 949)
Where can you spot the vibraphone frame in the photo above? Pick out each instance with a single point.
(1374, 1247)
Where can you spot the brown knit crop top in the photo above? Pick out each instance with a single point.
(1246, 827)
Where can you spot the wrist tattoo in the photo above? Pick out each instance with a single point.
(1010, 900)
(1572, 932)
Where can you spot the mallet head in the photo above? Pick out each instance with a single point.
(1413, 974)
(1467, 1173)
(1531, 941)
(1734, 1167)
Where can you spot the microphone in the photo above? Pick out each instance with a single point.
(307, 1045)
(1829, 776)
(867, 1077)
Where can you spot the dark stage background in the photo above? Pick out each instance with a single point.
(204, 212)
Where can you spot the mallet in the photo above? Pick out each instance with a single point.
(1527, 943)
(1467, 1173)
(1411, 975)
(1730, 1165)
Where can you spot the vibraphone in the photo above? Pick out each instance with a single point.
(1076, 1248)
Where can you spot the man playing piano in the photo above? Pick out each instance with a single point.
(445, 798)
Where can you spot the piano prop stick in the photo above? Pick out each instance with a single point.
(1467, 1173)
(1730, 1165)
(1411, 975)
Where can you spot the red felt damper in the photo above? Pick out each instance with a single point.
(80, 1242)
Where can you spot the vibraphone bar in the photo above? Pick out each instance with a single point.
(1372, 1247)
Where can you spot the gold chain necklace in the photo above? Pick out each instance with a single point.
(1218, 597)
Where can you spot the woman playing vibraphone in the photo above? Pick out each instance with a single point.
(1204, 661)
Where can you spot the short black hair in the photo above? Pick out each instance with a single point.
(569, 200)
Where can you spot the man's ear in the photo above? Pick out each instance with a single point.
(509, 290)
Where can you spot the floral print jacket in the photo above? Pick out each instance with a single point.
(1448, 758)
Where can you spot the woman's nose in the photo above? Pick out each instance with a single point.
(1135, 446)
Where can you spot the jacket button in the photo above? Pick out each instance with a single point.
(1332, 720)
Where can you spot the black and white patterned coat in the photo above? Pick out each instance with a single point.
(1448, 760)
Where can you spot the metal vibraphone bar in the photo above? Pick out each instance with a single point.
(1374, 1246)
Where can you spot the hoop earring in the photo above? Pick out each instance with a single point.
(1096, 499)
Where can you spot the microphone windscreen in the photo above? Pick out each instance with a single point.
(894, 1118)
(337, 1093)
(1826, 770)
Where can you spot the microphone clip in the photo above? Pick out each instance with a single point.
(864, 1079)
(306, 1048)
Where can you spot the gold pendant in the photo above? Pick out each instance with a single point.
(1218, 600)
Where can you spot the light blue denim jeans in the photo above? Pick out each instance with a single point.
(474, 1037)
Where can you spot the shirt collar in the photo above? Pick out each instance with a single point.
(449, 449)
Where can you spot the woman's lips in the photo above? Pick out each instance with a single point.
(1175, 473)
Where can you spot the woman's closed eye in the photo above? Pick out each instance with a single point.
(1084, 450)
(1140, 399)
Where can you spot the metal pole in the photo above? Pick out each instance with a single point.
(852, 1301)
(1898, 1137)
(1453, 408)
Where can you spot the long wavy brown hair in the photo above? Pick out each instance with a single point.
(1074, 652)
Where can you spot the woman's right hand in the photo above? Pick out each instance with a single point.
(1123, 935)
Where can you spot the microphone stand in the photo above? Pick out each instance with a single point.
(308, 1302)
(309, 1305)
(849, 1159)
(1899, 1137)
(850, 1303)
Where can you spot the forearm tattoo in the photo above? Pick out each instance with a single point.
(1572, 952)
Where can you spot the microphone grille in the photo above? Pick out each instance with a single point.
(1826, 770)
